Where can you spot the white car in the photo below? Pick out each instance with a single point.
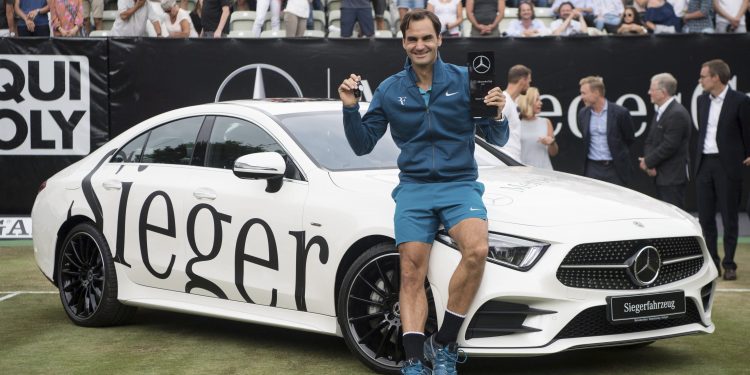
(259, 211)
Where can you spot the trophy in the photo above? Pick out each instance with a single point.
(481, 81)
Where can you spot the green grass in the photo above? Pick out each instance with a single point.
(37, 338)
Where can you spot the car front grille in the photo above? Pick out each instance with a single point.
(593, 322)
(604, 265)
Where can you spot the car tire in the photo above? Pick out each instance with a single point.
(368, 310)
(87, 281)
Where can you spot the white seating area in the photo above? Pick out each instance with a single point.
(327, 23)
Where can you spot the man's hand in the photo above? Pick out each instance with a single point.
(140, 3)
(31, 15)
(746, 162)
(346, 90)
(651, 172)
(496, 98)
(30, 25)
(643, 165)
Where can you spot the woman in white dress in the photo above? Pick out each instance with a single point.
(176, 22)
(450, 13)
(537, 135)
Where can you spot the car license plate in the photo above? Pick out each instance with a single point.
(645, 307)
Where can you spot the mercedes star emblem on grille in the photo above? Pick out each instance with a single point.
(644, 266)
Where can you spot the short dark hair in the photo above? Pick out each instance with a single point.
(529, 3)
(568, 3)
(517, 72)
(718, 67)
(418, 15)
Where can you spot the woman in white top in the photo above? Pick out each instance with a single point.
(526, 24)
(450, 13)
(176, 22)
(295, 17)
(537, 135)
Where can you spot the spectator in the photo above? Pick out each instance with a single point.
(660, 18)
(450, 13)
(526, 25)
(519, 80)
(406, 5)
(379, 8)
(585, 7)
(666, 148)
(195, 16)
(66, 17)
(261, 10)
(697, 18)
(315, 5)
(357, 11)
(567, 24)
(722, 149)
(607, 131)
(132, 16)
(631, 22)
(537, 135)
(484, 16)
(730, 16)
(215, 19)
(33, 15)
(176, 21)
(93, 8)
(295, 17)
(608, 13)
(7, 20)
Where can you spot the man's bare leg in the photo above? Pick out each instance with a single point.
(415, 258)
(471, 236)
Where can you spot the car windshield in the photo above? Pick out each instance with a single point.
(321, 136)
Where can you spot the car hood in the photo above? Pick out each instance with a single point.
(534, 197)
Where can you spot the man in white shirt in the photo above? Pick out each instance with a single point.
(567, 24)
(519, 80)
(730, 16)
(722, 149)
(132, 16)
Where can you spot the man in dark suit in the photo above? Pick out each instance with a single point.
(723, 147)
(666, 148)
(607, 133)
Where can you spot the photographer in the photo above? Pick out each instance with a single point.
(427, 105)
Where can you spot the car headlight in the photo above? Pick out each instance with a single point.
(512, 252)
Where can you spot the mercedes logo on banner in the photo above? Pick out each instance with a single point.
(481, 64)
(644, 266)
(259, 90)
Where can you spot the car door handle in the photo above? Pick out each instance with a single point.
(112, 185)
(204, 193)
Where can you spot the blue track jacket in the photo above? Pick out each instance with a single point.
(437, 140)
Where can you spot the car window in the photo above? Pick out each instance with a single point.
(321, 136)
(131, 152)
(232, 138)
(173, 143)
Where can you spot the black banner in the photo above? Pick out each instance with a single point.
(148, 76)
(53, 111)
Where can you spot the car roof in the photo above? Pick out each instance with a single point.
(284, 106)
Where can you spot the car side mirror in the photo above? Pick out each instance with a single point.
(262, 166)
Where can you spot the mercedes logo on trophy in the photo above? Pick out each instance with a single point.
(481, 80)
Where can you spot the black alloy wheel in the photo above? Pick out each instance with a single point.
(86, 280)
(369, 312)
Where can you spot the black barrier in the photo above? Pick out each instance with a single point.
(149, 76)
(53, 111)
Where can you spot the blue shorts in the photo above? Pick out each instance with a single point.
(421, 208)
